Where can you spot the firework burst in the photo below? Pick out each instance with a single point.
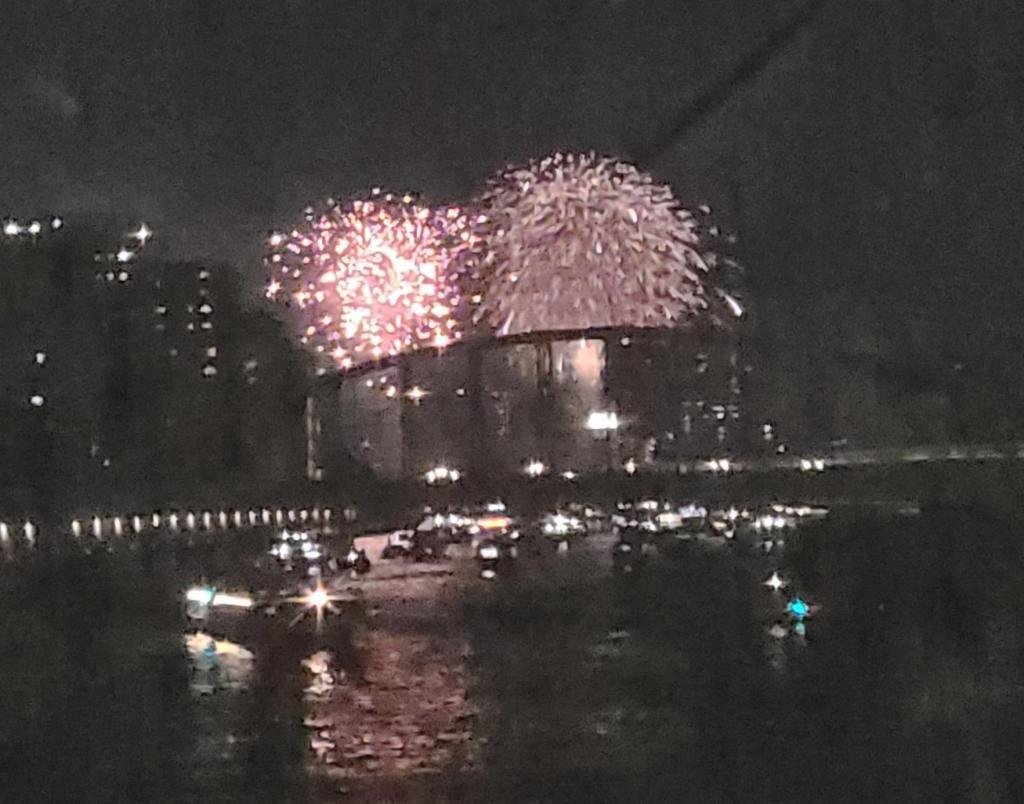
(581, 241)
(373, 278)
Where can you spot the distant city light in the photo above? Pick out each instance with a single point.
(536, 468)
(56, 222)
(35, 228)
(630, 466)
(416, 394)
(601, 420)
(442, 474)
(37, 400)
(142, 234)
(569, 475)
(124, 255)
(775, 582)
(12, 228)
(40, 358)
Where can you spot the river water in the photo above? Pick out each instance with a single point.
(558, 681)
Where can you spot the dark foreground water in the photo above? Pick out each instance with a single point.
(664, 685)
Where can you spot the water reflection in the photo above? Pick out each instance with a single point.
(217, 664)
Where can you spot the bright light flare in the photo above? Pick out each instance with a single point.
(142, 234)
(201, 595)
(776, 582)
(601, 420)
(319, 600)
(234, 601)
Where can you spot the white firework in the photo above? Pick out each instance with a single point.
(577, 241)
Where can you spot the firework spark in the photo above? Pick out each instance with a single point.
(373, 278)
(580, 241)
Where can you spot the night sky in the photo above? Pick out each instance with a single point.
(873, 168)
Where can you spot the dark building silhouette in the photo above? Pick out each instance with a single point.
(130, 380)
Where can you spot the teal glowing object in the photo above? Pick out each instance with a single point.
(798, 608)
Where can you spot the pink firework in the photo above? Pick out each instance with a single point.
(373, 278)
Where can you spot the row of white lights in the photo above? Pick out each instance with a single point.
(174, 521)
(33, 228)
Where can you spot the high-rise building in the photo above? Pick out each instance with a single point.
(128, 379)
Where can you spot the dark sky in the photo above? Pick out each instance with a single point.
(873, 170)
